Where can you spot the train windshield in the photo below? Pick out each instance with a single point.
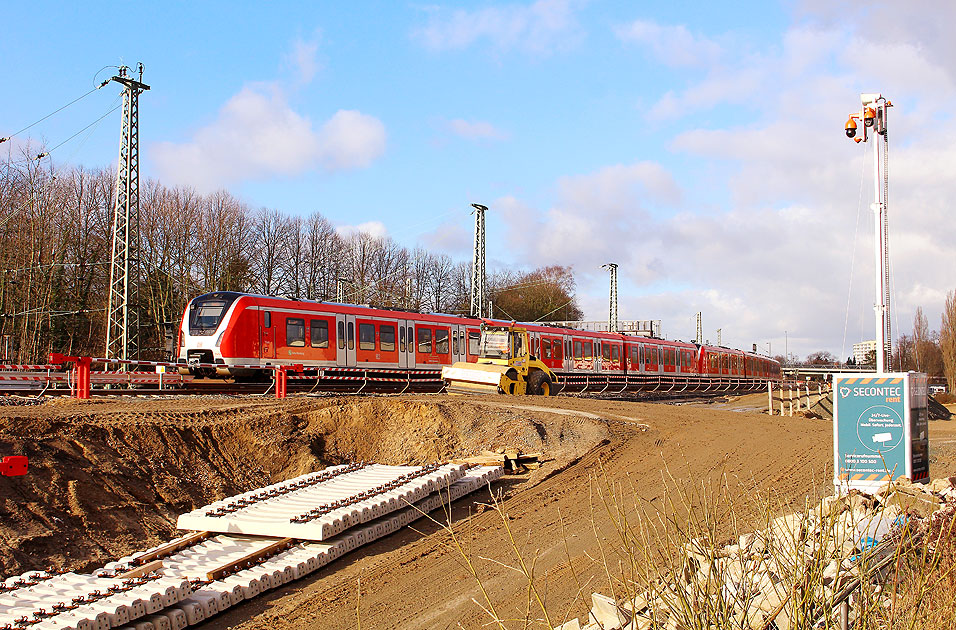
(206, 312)
(494, 344)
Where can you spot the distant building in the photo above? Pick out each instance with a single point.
(860, 350)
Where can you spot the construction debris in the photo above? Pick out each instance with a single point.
(799, 571)
(512, 460)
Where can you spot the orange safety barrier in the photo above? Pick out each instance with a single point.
(282, 378)
(81, 373)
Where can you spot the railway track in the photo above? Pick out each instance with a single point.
(200, 387)
(239, 548)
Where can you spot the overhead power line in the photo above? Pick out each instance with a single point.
(56, 111)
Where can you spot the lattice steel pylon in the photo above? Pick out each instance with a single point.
(478, 263)
(122, 306)
(612, 300)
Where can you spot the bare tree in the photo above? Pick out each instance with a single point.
(947, 339)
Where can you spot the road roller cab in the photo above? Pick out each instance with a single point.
(504, 366)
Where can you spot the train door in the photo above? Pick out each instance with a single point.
(345, 340)
(404, 328)
(267, 335)
(459, 343)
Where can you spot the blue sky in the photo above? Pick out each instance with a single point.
(697, 144)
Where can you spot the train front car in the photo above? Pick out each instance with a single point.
(201, 332)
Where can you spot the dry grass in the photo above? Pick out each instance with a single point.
(702, 560)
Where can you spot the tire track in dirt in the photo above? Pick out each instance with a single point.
(425, 585)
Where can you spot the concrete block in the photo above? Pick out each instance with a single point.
(605, 611)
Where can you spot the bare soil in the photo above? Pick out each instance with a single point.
(110, 476)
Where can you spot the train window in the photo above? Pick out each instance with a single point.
(557, 348)
(615, 353)
(605, 351)
(425, 340)
(546, 349)
(649, 356)
(567, 348)
(351, 336)
(386, 338)
(473, 339)
(411, 339)
(441, 340)
(319, 333)
(456, 349)
(341, 328)
(267, 319)
(366, 336)
(295, 332)
(401, 338)
(588, 349)
(578, 351)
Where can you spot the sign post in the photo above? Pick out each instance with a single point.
(881, 432)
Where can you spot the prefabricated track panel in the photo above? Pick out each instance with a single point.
(182, 593)
(320, 505)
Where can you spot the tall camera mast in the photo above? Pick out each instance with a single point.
(873, 115)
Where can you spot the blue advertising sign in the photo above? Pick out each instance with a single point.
(878, 428)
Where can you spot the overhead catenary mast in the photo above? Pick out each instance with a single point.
(122, 329)
(612, 299)
(478, 264)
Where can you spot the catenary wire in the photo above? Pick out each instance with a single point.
(76, 100)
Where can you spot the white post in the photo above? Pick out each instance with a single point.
(769, 397)
(879, 306)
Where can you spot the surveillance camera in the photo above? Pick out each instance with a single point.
(850, 128)
(869, 116)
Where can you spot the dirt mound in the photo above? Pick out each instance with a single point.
(111, 476)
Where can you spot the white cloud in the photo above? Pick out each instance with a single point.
(303, 59)
(589, 217)
(540, 27)
(672, 45)
(351, 139)
(475, 130)
(257, 135)
(450, 237)
(375, 229)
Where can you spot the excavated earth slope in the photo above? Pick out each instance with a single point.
(111, 476)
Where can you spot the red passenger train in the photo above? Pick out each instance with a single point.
(233, 331)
